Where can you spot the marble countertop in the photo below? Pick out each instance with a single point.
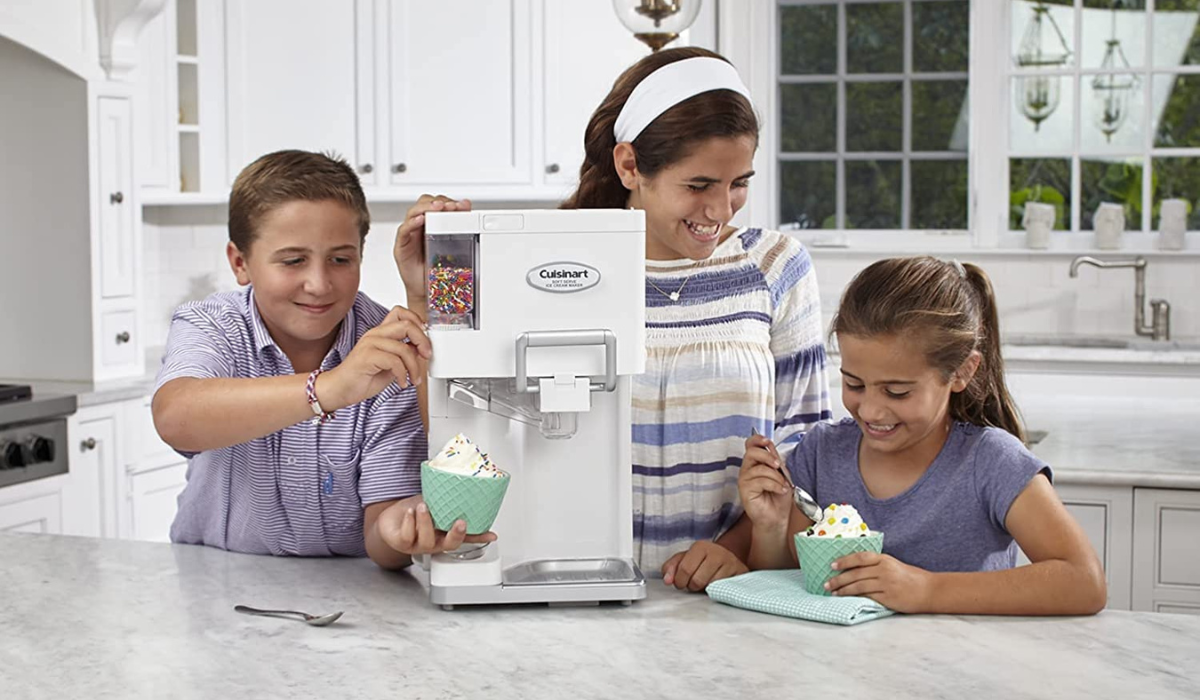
(1118, 442)
(108, 619)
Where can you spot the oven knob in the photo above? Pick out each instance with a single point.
(40, 449)
(11, 455)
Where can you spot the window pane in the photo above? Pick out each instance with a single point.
(940, 115)
(939, 194)
(873, 194)
(940, 36)
(809, 118)
(1112, 111)
(1176, 33)
(1041, 120)
(875, 37)
(809, 195)
(1043, 33)
(1179, 126)
(1178, 178)
(1039, 180)
(874, 116)
(1108, 21)
(1118, 182)
(808, 40)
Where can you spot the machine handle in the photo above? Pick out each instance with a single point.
(563, 339)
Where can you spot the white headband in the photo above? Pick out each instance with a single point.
(670, 85)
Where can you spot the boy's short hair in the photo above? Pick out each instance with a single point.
(287, 176)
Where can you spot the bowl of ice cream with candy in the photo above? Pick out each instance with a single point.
(840, 532)
(462, 483)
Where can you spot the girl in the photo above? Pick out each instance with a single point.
(932, 457)
(733, 327)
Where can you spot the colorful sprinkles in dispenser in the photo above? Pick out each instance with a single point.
(451, 288)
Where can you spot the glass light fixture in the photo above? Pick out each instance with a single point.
(1043, 47)
(657, 22)
(1112, 88)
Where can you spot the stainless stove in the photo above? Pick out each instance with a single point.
(33, 434)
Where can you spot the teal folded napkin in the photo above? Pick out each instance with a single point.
(781, 592)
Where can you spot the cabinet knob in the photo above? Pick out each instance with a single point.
(122, 337)
(552, 168)
(366, 168)
(400, 168)
(89, 444)
(116, 198)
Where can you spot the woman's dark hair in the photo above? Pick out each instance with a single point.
(667, 140)
(950, 310)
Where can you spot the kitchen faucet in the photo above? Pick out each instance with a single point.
(1160, 322)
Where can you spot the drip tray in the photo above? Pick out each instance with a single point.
(572, 571)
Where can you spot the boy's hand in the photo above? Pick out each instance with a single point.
(884, 579)
(700, 565)
(395, 350)
(410, 531)
(766, 495)
(409, 248)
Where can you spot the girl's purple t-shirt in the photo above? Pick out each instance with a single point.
(952, 518)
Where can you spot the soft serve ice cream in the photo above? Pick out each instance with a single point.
(837, 521)
(461, 456)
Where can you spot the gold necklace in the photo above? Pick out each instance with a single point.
(673, 296)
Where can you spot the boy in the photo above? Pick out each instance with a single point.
(292, 398)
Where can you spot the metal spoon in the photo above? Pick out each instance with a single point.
(806, 503)
(314, 620)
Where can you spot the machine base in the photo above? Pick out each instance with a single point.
(556, 582)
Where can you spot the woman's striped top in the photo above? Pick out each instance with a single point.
(741, 348)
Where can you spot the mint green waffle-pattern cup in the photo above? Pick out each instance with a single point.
(475, 500)
(817, 553)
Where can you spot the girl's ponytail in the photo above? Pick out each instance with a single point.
(986, 400)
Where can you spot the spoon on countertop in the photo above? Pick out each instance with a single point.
(314, 620)
(806, 503)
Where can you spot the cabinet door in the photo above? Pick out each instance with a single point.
(1106, 514)
(156, 111)
(114, 156)
(1166, 550)
(585, 48)
(153, 501)
(92, 460)
(37, 512)
(460, 94)
(291, 80)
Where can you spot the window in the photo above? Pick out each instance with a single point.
(1104, 107)
(873, 114)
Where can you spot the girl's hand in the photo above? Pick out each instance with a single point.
(395, 350)
(703, 563)
(409, 248)
(884, 579)
(766, 495)
(410, 530)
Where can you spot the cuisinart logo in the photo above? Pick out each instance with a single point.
(563, 277)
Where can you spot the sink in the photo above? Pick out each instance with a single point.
(1086, 341)
(1033, 437)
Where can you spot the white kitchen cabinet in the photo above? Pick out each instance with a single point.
(37, 509)
(1106, 515)
(93, 459)
(291, 77)
(115, 195)
(459, 90)
(1166, 550)
(585, 49)
(152, 501)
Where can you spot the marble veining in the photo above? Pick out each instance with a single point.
(118, 619)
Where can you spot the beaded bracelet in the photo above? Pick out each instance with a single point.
(310, 388)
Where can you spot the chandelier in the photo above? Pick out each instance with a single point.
(656, 23)
(1112, 88)
(1043, 46)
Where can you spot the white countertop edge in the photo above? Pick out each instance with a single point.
(1093, 477)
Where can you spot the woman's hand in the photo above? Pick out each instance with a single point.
(409, 248)
(395, 350)
(884, 579)
(702, 564)
(409, 530)
(766, 495)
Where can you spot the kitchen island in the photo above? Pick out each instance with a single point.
(106, 619)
